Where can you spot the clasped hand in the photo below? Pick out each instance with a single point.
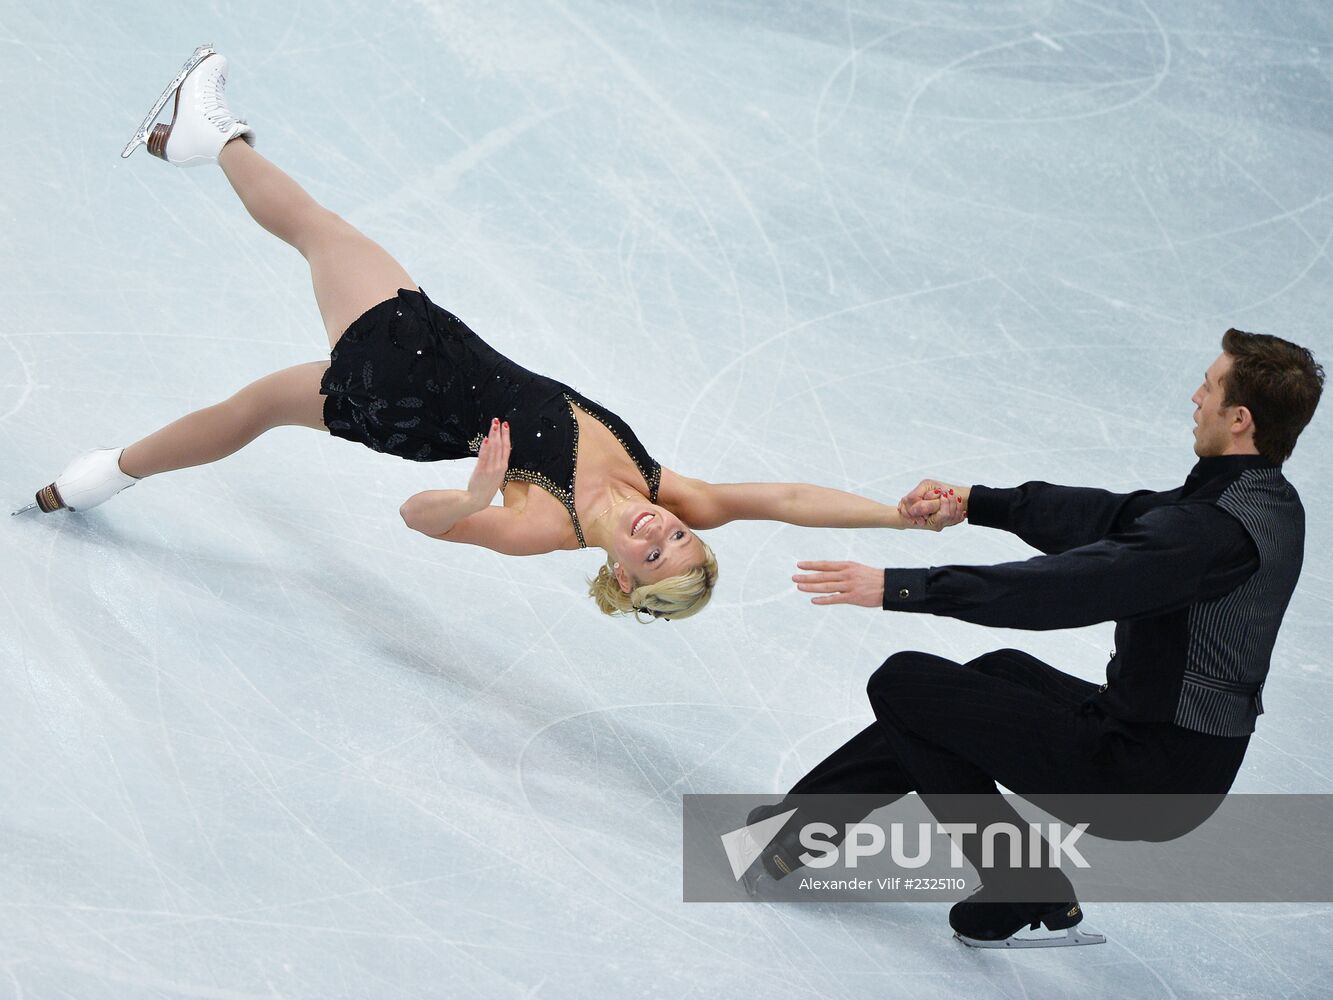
(931, 505)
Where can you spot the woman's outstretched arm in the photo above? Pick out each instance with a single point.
(707, 505)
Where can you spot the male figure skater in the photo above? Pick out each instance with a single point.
(1196, 578)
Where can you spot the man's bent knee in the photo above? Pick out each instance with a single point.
(996, 661)
(898, 669)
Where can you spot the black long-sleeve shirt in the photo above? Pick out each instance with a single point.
(1110, 556)
(1178, 571)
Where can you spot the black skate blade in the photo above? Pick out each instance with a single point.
(1058, 939)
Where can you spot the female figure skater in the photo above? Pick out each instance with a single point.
(408, 378)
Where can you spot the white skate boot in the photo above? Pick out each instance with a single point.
(201, 123)
(92, 478)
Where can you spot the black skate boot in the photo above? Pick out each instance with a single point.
(778, 858)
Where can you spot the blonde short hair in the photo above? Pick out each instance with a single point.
(673, 597)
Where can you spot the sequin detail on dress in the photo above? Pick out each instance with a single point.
(411, 379)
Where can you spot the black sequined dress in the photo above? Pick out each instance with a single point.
(410, 379)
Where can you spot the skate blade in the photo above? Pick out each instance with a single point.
(1059, 939)
(141, 134)
(756, 881)
(23, 510)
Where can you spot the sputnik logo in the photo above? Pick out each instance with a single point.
(747, 843)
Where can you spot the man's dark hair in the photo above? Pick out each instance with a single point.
(1278, 382)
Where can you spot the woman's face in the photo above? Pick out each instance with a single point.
(650, 543)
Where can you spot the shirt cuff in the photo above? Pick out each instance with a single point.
(988, 508)
(904, 589)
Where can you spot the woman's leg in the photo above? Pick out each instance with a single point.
(350, 272)
(286, 398)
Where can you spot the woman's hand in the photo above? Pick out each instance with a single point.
(843, 583)
(492, 463)
(934, 505)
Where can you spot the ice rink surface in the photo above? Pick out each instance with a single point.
(261, 740)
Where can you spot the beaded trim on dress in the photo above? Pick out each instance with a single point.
(652, 477)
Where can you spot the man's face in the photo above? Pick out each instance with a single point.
(1212, 421)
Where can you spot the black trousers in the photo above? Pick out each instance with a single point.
(944, 728)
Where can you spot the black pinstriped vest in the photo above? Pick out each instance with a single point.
(1231, 638)
(1214, 687)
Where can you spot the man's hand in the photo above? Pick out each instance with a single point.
(843, 583)
(934, 505)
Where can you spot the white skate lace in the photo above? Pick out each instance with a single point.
(213, 103)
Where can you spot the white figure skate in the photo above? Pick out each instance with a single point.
(201, 123)
(92, 478)
(141, 134)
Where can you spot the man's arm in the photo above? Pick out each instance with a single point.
(1168, 559)
(1055, 518)
(1049, 518)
